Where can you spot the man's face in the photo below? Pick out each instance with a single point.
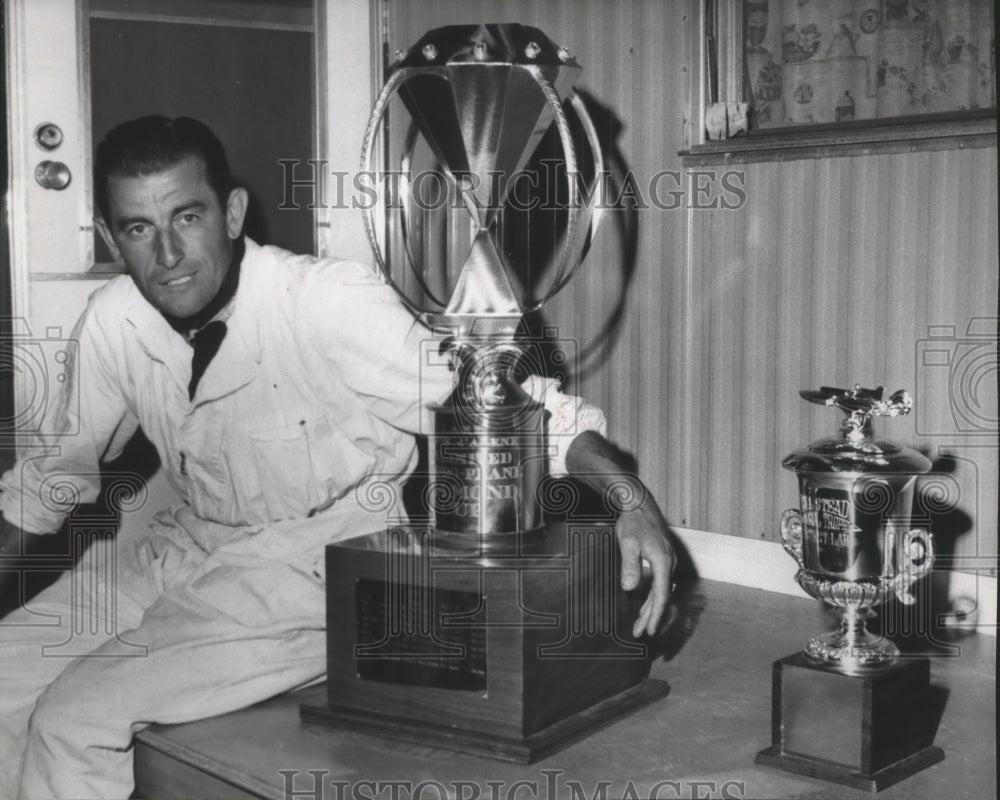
(173, 235)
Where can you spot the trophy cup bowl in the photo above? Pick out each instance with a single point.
(902, 558)
(851, 538)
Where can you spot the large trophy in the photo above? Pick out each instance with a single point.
(851, 708)
(490, 629)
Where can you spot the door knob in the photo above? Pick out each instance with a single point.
(52, 175)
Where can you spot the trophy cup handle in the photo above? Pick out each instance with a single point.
(791, 534)
(918, 553)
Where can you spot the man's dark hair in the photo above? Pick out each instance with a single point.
(149, 145)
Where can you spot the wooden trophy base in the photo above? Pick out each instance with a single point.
(510, 656)
(869, 729)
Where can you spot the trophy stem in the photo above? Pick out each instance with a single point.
(852, 646)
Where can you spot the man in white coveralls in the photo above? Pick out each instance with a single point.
(314, 386)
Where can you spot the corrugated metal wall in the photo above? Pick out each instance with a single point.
(697, 326)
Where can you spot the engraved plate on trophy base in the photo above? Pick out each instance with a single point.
(868, 729)
(511, 657)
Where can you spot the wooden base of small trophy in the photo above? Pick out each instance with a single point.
(507, 656)
(868, 729)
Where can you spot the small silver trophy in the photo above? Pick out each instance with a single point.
(852, 539)
(849, 709)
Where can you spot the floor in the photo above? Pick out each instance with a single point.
(697, 742)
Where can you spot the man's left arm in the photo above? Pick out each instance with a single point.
(642, 531)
